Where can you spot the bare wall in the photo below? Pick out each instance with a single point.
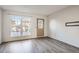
(0, 25)
(6, 30)
(59, 31)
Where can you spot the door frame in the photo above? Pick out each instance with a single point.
(37, 26)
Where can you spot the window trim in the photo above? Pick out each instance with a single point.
(21, 26)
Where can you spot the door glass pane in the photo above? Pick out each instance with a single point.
(40, 24)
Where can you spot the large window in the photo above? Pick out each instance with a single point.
(20, 25)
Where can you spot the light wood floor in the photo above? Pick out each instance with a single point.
(40, 45)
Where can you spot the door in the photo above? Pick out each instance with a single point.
(40, 27)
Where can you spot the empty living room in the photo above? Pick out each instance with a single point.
(39, 28)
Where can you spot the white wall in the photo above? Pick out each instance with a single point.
(6, 30)
(59, 31)
(0, 25)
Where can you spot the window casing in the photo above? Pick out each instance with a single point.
(20, 25)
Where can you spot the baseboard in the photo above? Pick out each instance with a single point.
(24, 39)
(65, 42)
(42, 36)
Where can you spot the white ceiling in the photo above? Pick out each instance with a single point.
(34, 9)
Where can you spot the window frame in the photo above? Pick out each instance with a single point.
(21, 32)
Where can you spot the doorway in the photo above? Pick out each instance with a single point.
(40, 27)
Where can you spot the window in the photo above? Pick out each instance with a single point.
(20, 25)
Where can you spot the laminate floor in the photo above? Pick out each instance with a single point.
(40, 45)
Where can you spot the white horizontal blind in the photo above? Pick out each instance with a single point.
(20, 25)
